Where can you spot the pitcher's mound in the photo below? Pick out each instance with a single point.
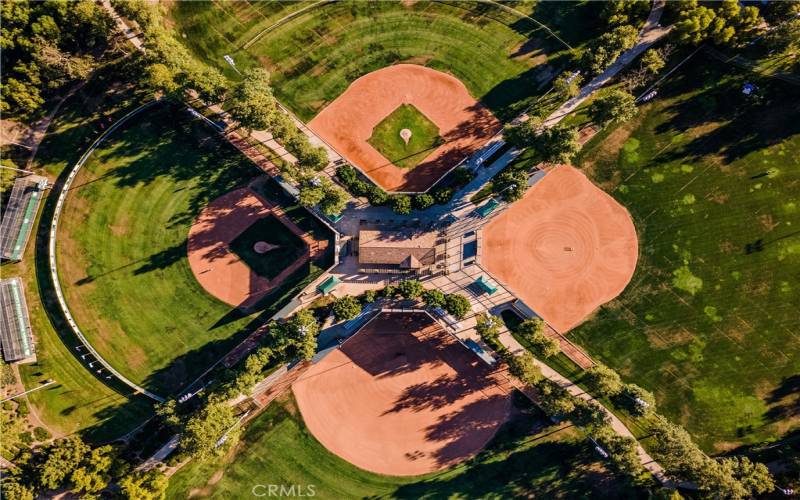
(565, 248)
(402, 398)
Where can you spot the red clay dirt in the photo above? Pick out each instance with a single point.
(402, 398)
(463, 123)
(217, 268)
(564, 249)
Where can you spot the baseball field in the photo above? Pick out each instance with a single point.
(527, 456)
(122, 250)
(504, 60)
(709, 322)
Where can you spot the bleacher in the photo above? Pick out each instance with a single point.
(16, 339)
(19, 216)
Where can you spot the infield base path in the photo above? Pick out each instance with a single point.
(564, 249)
(402, 398)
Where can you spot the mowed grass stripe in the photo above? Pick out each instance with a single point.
(707, 324)
(122, 249)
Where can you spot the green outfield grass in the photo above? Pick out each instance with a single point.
(122, 250)
(709, 322)
(78, 402)
(504, 60)
(526, 458)
(387, 140)
(270, 230)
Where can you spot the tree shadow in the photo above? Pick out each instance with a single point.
(785, 400)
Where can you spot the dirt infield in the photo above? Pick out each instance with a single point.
(220, 271)
(463, 123)
(402, 398)
(564, 249)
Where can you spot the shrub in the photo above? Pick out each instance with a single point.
(443, 195)
(26, 437)
(377, 196)
(389, 291)
(423, 201)
(433, 298)
(346, 308)
(401, 204)
(410, 289)
(22, 408)
(457, 305)
(588, 414)
(369, 296)
(41, 434)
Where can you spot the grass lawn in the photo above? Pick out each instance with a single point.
(709, 322)
(271, 230)
(504, 60)
(526, 458)
(78, 402)
(122, 250)
(387, 140)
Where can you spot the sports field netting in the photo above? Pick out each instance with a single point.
(19, 216)
(15, 335)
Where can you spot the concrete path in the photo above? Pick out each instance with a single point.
(650, 33)
(647, 461)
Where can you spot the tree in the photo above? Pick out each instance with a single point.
(251, 100)
(303, 330)
(150, 485)
(210, 432)
(488, 328)
(616, 106)
(311, 195)
(524, 368)
(370, 296)
(622, 451)
(754, 478)
(401, 204)
(377, 196)
(442, 195)
(554, 400)
(619, 12)
(15, 489)
(22, 98)
(159, 77)
(209, 83)
(608, 46)
(568, 84)
(728, 24)
(637, 401)
(511, 184)
(410, 289)
(521, 135)
(346, 307)
(94, 472)
(433, 298)
(423, 201)
(334, 199)
(457, 305)
(313, 158)
(166, 412)
(557, 144)
(389, 291)
(603, 381)
(588, 414)
(652, 61)
(785, 36)
(532, 331)
(58, 460)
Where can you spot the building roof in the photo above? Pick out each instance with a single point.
(15, 329)
(19, 215)
(404, 248)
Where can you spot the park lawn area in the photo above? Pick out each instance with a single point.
(272, 231)
(709, 321)
(526, 458)
(79, 402)
(387, 141)
(122, 249)
(504, 59)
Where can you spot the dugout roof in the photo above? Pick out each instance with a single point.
(16, 338)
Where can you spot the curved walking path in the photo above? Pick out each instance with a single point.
(52, 254)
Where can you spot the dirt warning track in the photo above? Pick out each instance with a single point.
(402, 398)
(463, 123)
(564, 249)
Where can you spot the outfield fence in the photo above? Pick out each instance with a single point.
(52, 254)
